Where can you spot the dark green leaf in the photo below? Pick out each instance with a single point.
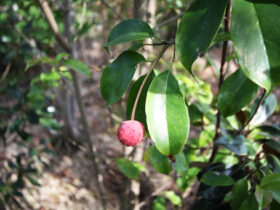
(275, 145)
(129, 168)
(239, 193)
(77, 66)
(160, 162)
(273, 130)
(140, 114)
(129, 30)
(214, 179)
(249, 203)
(236, 144)
(167, 114)
(33, 180)
(197, 29)
(159, 203)
(236, 92)
(266, 109)
(118, 75)
(273, 163)
(256, 45)
(271, 183)
(195, 113)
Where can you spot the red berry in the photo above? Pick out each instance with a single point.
(131, 132)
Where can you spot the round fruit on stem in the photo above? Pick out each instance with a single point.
(131, 132)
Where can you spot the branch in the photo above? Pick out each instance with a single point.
(221, 79)
(50, 18)
(145, 79)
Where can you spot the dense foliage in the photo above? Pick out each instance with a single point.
(218, 135)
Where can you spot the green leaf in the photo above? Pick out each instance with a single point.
(256, 45)
(237, 144)
(275, 145)
(77, 66)
(272, 130)
(159, 203)
(159, 161)
(223, 36)
(34, 62)
(118, 75)
(175, 199)
(273, 163)
(271, 183)
(265, 110)
(197, 29)
(33, 180)
(129, 30)
(236, 92)
(249, 203)
(60, 56)
(180, 165)
(140, 114)
(239, 193)
(263, 197)
(213, 179)
(167, 114)
(129, 168)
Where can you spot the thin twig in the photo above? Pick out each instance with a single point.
(170, 20)
(221, 79)
(6, 72)
(255, 112)
(145, 79)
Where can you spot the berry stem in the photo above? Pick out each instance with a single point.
(145, 79)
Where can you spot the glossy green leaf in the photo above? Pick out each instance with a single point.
(77, 66)
(140, 114)
(160, 162)
(117, 76)
(175, 199)
(129, 168)
(272, 130)
(256, 44)
(167, 114)
(236, 92)
(239, 193)
(265, 110)
(271, 183)
(237, 144)
(249, 203)
(129, 30)
(213, 179)
(197, 29)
